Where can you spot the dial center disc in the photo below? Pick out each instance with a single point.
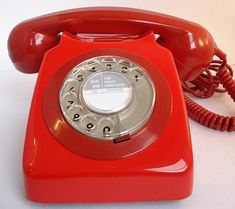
(107, 92)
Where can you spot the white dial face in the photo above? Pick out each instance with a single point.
(107, 97)
(107, 92)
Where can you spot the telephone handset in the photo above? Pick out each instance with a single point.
(110, 93)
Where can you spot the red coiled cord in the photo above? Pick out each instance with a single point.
(204, 86)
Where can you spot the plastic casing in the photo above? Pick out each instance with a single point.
(56, 170)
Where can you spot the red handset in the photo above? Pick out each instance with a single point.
(110, 93)
(38, 35)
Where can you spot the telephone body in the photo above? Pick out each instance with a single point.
(108, 120)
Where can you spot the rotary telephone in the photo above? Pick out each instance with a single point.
(108, 120)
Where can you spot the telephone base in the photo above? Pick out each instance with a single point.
(63, 165)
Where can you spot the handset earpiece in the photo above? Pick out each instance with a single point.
(27, 46)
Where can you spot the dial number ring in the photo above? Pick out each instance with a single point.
(120, 79)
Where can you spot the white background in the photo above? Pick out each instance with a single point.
(214, 152)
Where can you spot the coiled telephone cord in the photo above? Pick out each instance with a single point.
(217, 74)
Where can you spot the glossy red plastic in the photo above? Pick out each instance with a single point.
(191, 45)
(61, 168)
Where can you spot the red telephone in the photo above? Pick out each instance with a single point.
(108, 118)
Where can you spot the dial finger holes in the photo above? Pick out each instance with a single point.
(79, 75)
(124, 66)
(106, 127)
(89, 122)
(69, 100)
(124, 69)
(92, 65)
(137, 74)
(71, 86)
(75, 114)
(108, 66)
(92, 69)
(109, 62)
